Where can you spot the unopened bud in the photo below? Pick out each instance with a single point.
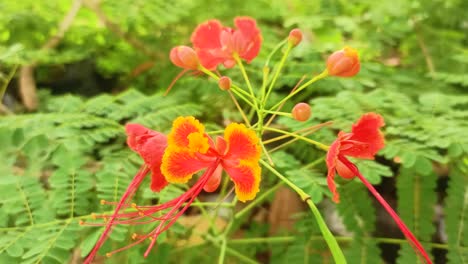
(184, 57)
(343, 63)
(295, 37)
(224, 83)
(301, 112)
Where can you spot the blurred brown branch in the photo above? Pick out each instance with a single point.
(27, 83)
(94, 5)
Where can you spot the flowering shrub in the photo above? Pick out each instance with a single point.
(188, 149)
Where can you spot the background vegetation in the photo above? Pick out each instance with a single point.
(76, 71)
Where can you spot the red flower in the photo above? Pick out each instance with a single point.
(343, 63)
(191, 150)
(216, 44)
(188, 151)
(363, 142)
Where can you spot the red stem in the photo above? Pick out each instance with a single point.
(413, 240)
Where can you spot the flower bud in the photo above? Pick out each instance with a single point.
(224, 83)
(184, 57)
(295, 37)
(343, 63)
(301, 112)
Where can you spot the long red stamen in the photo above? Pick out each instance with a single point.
(125, 197)
(195, 190)
(413, 240)
(175, 80)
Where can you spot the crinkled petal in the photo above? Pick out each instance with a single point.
(242, 143)
(137, 134)
(248, 42)
(368, 135)
(331, 161)
(152, 150)
(179, 165)
(246, 178)
(182, 127)
(206, 35)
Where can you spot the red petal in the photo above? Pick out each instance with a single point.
(242, 143)
(179, 165)
(366, 131)
(331, 160)
(249, 40)
(246, 177)
(137, 134)
(206, 35)
(158, 182)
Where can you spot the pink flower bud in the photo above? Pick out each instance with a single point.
(224, 83)
(301, 112)
(295, 37)
(184, 57)
(343, 63)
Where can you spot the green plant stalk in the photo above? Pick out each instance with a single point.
(257, 200)
(277, 113)
(246, 77)
(273, 52)
(231, 251)
(275, 77)
(222, 252)
(308, 140)
(302, 87)
(327, 235)
(341, 239)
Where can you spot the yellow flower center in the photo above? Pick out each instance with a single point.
(198, 142)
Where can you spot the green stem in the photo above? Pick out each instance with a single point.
(308, 140)
(246, 77)
(327, 235)
(222, 252)
(231, 251)
(277, 113)
(302, 87)
(278, 71)
(257, 200)
(341, 239)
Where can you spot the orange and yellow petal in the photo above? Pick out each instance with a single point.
(182, 127)
(246, 178)
(179, 165)
(242, 143)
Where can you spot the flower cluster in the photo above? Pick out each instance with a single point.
(175, 159)
(188, 149)
(215, 44)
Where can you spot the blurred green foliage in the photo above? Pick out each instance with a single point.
(58, 162)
